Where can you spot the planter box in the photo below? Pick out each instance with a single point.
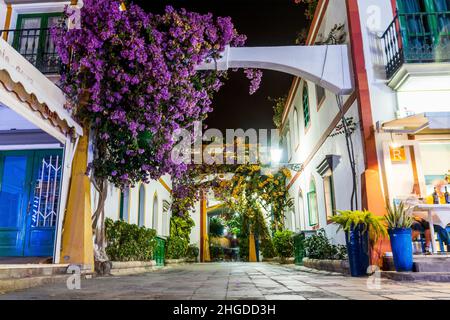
(280, 260)
(175, 261)
(132, 267)
(340, 266)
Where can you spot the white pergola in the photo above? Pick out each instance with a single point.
(325, 65)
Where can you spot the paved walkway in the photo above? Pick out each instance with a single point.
(236, 281)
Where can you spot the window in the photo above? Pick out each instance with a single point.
(33, 41)
(329, 196)
(300, 210)
(296, 131)
(155, 212)
(124, 204)
(312, 204)
(166, 218)
(305, 100)
(141, 209)
(293, 221)
(320, 96)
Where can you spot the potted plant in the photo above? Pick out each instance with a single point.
(359, 227)
(399, 228)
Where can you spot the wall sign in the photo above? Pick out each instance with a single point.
(398, 154)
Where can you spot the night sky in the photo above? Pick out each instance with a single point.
(266, 23)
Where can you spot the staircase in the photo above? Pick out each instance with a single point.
(426, 268)
(21, 276)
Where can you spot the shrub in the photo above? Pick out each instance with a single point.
(216, 253)
(267, 249)
(397, 216)
(176, 248)
(347, 219)
(178, 242)
(243, 248)
(129, 242)
(319, 247)
(284, 243)
(192, 252)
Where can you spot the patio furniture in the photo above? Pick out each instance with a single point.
(438, 214)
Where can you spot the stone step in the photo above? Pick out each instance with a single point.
(432, 266)
(417, 276)
(422, 263)
(23, 276)
(31, 270)
(132, 267)
(12, 284)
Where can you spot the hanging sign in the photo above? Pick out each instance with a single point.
(398, 154)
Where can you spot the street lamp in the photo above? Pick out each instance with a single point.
(276, 155)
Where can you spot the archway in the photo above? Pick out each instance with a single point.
(325, 65)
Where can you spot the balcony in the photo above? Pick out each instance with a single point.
(36, 46)
(416, 38)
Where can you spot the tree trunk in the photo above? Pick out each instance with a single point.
(101, 260)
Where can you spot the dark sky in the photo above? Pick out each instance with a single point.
(266, 23)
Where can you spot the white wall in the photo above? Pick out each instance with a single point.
(321, 120)
(195, 232)
(112, 205)
(2, 14)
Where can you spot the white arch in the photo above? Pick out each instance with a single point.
(327, 65)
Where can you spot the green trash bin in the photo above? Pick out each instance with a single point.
(299, 248)
(160, 251)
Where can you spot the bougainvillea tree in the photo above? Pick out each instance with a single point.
(132, 81)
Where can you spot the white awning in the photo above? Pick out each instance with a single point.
(416, 123)
(30, 86)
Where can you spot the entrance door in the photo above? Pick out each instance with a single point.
(15, 170)
(29, 199)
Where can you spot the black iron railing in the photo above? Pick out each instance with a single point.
(420, 37)
(35, 45)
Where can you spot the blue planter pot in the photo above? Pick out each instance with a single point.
(358, 250)
(402, 248)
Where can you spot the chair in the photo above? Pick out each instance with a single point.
(441, 241)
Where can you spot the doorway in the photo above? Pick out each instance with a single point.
(30, 184)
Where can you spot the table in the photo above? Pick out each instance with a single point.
(435, 214)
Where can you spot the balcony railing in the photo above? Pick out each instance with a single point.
(35, 45)
(420, 37)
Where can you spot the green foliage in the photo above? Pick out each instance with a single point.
(283, 243)
(216, 253)
(243, 247)
(278, 108)
(347, 219)
(216, 227)
(178, 242)
(310, 9)
(397, 216)
(176, 248)
(233, 222)
(192, 252)
(129, 242)
(267, 248)
(318, 246)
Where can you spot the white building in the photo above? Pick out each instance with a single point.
(401, 105)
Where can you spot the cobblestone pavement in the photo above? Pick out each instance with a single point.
(248, 281)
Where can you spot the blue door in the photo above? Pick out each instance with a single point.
(29, 201)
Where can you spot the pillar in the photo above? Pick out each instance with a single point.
(77, 242)
(251, 248)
